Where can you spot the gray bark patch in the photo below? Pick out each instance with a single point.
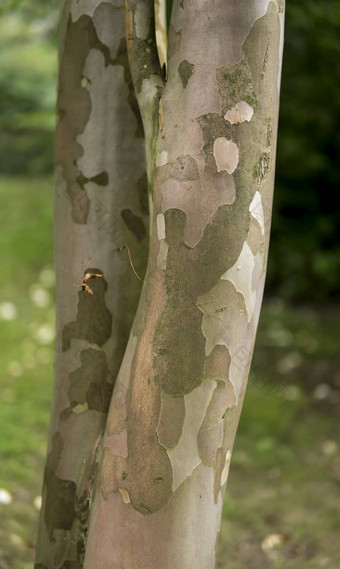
(185, 70)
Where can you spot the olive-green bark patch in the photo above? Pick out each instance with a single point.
(234, 84)
(174, 40)
(180, 354)
(134, 223)
(88, 383)
(94, 320)
(60, 500)
(60, 503)
(185, 70)
(101, 179)
(262, 168)
(71, 565)
(81, 37)
(179, 343)
(269, 132)
(73, 121)
(147, 494)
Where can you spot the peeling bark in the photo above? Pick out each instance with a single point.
(100, 204)
(211, 169)
(210, 132)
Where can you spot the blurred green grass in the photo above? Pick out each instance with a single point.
(285, 468)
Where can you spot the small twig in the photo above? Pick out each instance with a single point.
(131, 263)
(84, 284)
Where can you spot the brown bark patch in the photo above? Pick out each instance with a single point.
(170, 426)
(218, 364)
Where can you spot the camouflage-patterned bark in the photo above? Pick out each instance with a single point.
(210, 138)
(210, 145)
(100, 205)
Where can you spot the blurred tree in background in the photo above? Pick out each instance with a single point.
(28, 75)
(304, 260)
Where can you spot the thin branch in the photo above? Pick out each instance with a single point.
(131, 263)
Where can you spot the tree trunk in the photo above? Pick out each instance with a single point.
(210, 145)
(100, 204)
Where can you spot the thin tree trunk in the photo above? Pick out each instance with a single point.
(210, 139)
(100, 205)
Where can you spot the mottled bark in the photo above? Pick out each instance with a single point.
(100, 205)
(211, 138)
(163, 462)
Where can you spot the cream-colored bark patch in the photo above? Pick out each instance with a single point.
(81, 408)
(225, 323)
(142, 20)
(240, 275)
(160, 226)
(161, 30)
(225, 471)
(162, 158)
(185, 456)
(225, 154)
(241, 112)
(125, 495)
(256, 210)
(162, 255)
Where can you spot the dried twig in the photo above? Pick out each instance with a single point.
(131, 263)
(84, 284)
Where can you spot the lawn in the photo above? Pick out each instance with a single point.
(280, 508)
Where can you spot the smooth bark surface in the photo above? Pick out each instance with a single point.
(161, 468)
(211, 138)
(100, 205)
